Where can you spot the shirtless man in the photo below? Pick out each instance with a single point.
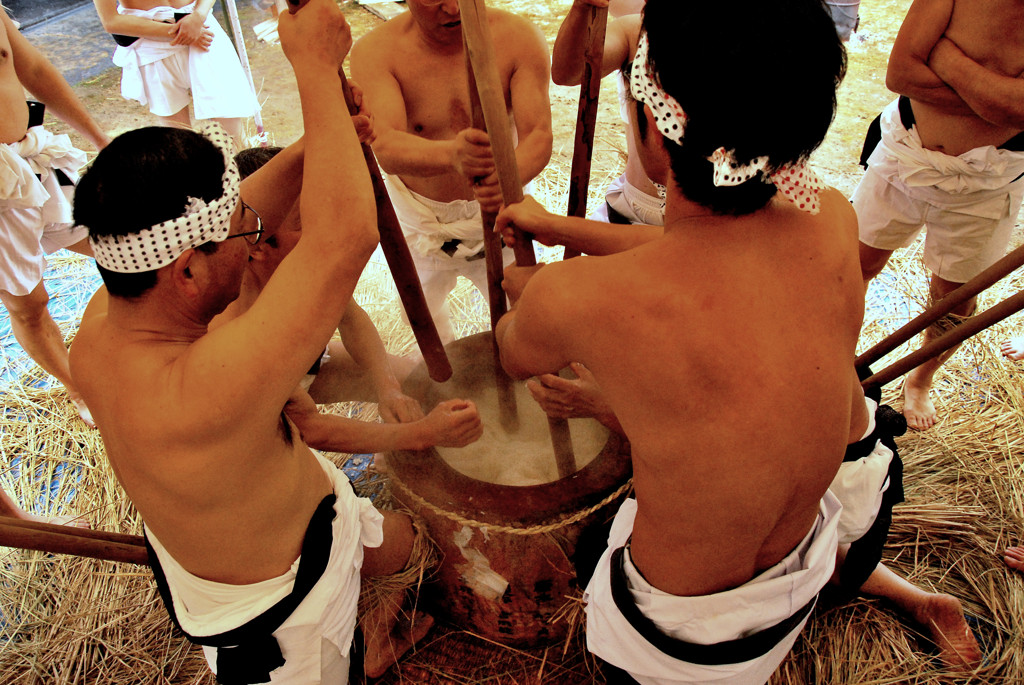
(192, 419)
(173, 62)
(951, 156)
(632, 198)
(35, 210)
(356, 368)
(439, 171)
(732, 531)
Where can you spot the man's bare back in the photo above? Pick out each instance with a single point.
(991, 33)
(717, 473)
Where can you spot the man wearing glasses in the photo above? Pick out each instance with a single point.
(257, 544)
(439, 171)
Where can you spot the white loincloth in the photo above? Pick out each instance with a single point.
(969, 202)
(632, 203)
(769, 598)
(427, 224)
(35, 211)
(859, 485)
(319, 632)
(160, 75)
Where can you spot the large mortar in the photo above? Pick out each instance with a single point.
(509, 550)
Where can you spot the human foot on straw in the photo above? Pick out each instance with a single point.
(1014, 558)
(943, 617)
(918, 408)
(385, 648)
(1013, 348)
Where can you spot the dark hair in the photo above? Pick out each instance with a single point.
(251, 159)
(758, 77)
(144, 177)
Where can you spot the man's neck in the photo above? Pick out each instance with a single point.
(146, 316)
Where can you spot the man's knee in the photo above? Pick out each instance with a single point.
(872, 260)
(939, 288)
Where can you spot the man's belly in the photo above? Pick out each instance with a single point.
(955, 134)
(13, 114)
(150, 4)
(446, 188)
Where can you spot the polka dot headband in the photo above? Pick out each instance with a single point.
(201, 222)
(796, 182)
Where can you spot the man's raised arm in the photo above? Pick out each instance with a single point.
(567, 55)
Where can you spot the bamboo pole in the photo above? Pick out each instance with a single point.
(396, 252)
(95, 544)
(586, 118)
(480, 53)
(975, 324)
(982, 281)
(243, 57)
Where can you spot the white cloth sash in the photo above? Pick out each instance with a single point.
(859, 485)
(38, 153)
(764, 601)
(973, 183)
(428, 224)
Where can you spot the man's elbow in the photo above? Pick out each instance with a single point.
(562, 76)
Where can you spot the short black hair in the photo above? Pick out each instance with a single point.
(144, 177)
(752, 76)
(250, 160)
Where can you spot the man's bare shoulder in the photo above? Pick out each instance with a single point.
(518, 34)
(377, 38)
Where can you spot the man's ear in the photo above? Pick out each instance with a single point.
(183, 273)
(258, 252)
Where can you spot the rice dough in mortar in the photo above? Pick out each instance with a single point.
(526, 456)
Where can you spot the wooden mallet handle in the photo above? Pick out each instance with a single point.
(95, 544)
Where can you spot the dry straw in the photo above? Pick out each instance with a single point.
(69, 620)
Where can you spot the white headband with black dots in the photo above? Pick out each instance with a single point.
(201, 222)
(796, 182)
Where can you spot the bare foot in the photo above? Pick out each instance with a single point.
(917, 406)
(1013, 349)
(384, 650)
(1014, 558)
(83, 410)
(942, 615)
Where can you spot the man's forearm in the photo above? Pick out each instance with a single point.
(332, 433)
(533, 154)
(48, 86)
(403, 153)
(994, 97)
(567, 55)
(363, 343)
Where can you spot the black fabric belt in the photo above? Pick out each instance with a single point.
(247, 654)
(616, 217)
(450, 246)
(727, 652)
(907, 118)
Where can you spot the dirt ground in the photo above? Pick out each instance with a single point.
(78, 45)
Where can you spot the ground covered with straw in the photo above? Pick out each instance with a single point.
(69, 620)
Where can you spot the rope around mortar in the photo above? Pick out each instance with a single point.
(490, 527)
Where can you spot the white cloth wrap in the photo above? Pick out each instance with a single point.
(428, 224)
(860, 484)
(35, 212)
(219, 87)
(631, 202)
(974, 181)
(39, 152)
(770, 597)
(328, 612)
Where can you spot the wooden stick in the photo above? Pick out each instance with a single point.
(480, 53)
(982, 281)
(243, 57)
(396, 252)
(586, 117)
(979, 322)
(508, 410)
(95, 544)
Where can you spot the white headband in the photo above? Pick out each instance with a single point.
(201, 222)
(796, 182)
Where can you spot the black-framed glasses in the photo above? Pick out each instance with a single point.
(251, 237)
